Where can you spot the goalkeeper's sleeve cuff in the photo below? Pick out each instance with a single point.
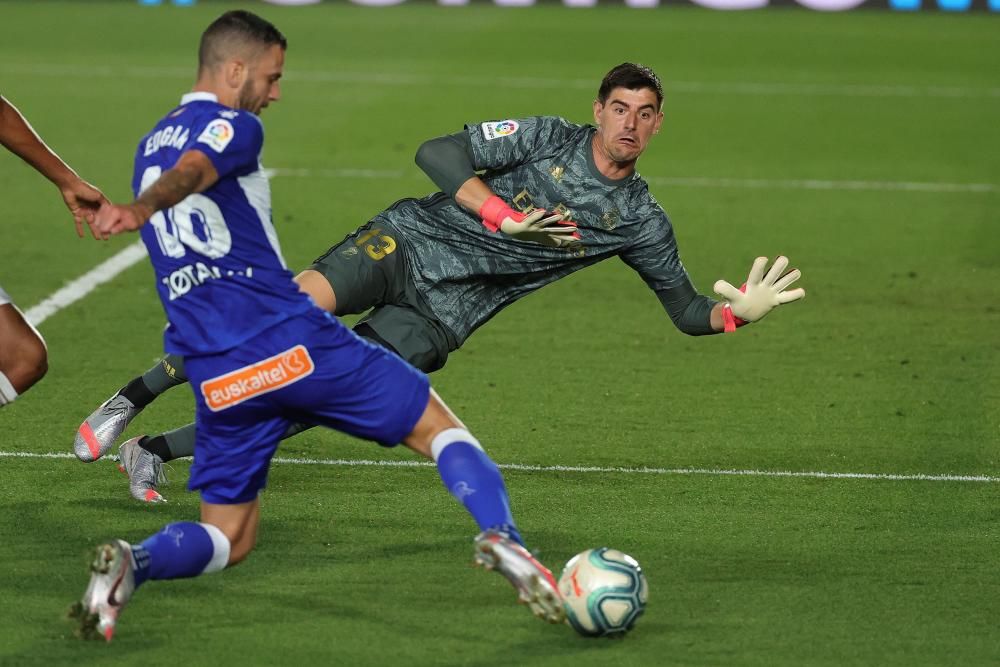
(492, 212)
(729, 321)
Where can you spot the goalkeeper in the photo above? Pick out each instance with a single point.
(523, 203)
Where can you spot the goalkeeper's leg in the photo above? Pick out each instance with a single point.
(103, 427)
(142, 458)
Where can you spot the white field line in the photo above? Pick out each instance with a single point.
(378, 174)
(815, 184)
(85, 284)
(698, 181)
(361, 463)
(753, 88)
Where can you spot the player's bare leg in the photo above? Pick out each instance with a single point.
(238, 523)
(475, 481)
(23, 356)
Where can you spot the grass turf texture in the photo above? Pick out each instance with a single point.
(889, 366)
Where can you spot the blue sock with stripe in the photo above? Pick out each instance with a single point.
(181, 550)
(474, 480)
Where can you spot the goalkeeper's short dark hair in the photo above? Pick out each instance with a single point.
(234, 31)
(632, 76)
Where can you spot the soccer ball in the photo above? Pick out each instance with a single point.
(604, 591)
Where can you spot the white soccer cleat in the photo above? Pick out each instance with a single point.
(112, 582)
(534, 582)
(99, 431)
(144, 470)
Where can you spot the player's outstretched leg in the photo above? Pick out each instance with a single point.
(472, 477)
(144, 470)
(179, 550)
(103, 427)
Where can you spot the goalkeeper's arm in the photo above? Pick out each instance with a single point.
(697, 315)
(448, 162)
(692, 313)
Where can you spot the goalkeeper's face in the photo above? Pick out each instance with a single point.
(625, 122)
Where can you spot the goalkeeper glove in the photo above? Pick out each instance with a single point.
(759, 294)
(536, 226)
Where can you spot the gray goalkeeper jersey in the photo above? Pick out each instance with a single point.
(467, 274)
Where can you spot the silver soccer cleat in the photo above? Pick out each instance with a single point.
(144, 470)
(112, 582)
(99, 431)
(534, 582)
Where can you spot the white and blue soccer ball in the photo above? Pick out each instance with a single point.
(604, 591)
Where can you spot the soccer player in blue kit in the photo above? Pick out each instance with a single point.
(258, 352)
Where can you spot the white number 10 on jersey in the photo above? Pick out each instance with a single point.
(196, 222)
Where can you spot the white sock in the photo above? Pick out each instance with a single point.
(220, 555)
(7, 392)
(448, 436)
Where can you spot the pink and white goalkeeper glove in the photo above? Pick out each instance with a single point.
(538, 226)
(760, 294)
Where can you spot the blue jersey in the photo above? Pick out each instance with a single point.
(219, 269)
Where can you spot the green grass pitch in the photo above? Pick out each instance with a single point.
(864, 146)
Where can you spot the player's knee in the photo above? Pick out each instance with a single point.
(436, 419)
(238, 552)
(237, 524)
(316, 285)
(242, 540)
(173, 366)
(25, 362)
(36, 360)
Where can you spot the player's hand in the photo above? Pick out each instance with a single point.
(761, 293)
(538, 226)
(542, 227)
(112, 219)
(83, 200)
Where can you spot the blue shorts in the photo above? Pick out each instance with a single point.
(309, 369)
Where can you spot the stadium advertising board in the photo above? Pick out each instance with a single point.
(818, 5)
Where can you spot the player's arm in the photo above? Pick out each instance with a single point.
(449, 163)
(655, 257)
(193, 172)
(692, 313)
(697, 315)
(17, 135)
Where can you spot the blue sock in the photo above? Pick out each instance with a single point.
(180, 550)
(474, 479)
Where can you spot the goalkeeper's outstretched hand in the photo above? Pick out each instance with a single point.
(761, 292)
(538, 226)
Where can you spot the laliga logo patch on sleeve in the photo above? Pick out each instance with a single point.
(217, 134)
(500, 128)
